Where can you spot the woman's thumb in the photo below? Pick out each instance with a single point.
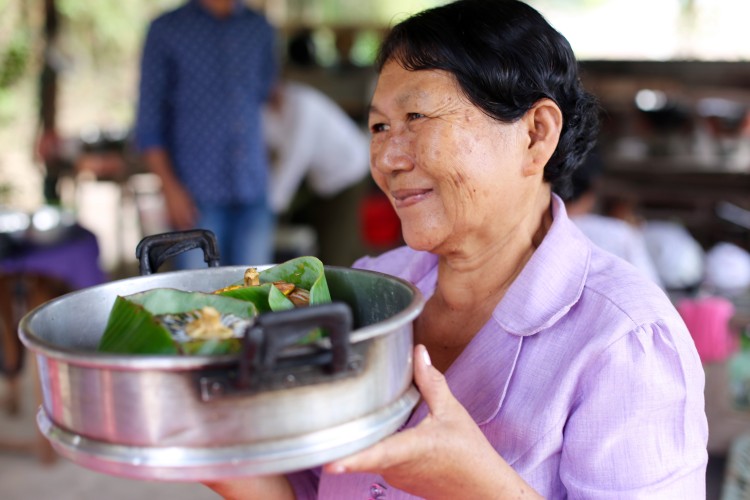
(430, 382)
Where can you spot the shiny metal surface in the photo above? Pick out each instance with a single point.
(134, 402)
(209, 463)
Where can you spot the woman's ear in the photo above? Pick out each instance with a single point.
(544, 123)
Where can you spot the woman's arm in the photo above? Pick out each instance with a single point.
(445, 456)
(258, 487)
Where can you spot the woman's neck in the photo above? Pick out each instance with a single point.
(484, 273)
(469, 289)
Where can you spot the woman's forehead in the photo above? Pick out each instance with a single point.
(405, 86)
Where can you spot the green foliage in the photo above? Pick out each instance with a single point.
(348, 12)
(14, 59)
(365, 48)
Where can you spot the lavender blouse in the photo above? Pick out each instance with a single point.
(585, 380)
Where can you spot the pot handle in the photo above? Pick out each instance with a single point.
(272, 332)
(153, 250)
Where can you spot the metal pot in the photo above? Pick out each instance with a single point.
(275, 408)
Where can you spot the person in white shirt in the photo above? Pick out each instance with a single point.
(617, 236)
(314, 142)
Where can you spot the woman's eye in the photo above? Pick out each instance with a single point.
(414, 116)
(378, 127)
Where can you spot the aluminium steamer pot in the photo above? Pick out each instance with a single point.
(274, 408)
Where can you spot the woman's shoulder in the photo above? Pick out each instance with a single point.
(626, 288)
(620, 310)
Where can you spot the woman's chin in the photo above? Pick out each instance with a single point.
(420, 241)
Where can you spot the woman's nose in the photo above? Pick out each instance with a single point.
(391, 153)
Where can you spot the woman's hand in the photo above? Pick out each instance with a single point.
(445, 456)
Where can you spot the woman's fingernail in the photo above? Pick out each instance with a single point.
(337, 469)
(426, 356)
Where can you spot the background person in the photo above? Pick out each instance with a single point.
(547, 367)
(623, 238)
(207, 68)
(319, 148)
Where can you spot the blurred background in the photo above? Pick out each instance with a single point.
(673, 78)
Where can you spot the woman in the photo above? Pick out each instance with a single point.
(548, 368)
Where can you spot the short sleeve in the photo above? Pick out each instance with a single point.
(305, 483)
(638, 429)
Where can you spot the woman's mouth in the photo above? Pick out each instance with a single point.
(403, 198)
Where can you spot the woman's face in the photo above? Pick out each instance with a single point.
(454, 175)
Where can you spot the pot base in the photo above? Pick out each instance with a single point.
(208, 464)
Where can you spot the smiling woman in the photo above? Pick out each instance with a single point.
(547, 367)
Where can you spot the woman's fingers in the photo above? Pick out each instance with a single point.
(388, 453)
(405, 446)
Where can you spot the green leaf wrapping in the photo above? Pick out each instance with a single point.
(258, 295)
(133, 329)
(304, 272)
(278, 301)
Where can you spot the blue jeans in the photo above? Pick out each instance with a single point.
(245, 234)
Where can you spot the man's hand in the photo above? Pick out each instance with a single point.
(181, 208)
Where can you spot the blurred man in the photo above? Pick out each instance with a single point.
(207, 68)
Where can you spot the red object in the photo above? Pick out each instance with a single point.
(381, 226)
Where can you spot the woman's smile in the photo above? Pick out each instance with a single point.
(403, 198)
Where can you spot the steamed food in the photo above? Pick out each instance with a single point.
(170, 321)
(203, 324)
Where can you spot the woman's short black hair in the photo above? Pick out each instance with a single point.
(505, 57)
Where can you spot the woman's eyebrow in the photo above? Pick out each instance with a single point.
(373, 109)
(402, 100)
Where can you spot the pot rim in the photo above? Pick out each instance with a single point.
(94, 359)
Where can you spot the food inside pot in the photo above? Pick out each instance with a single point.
(170, 321)
(203, 324)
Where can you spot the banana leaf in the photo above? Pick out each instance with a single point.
(258, 295)
(133, 326)
(304, 272)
